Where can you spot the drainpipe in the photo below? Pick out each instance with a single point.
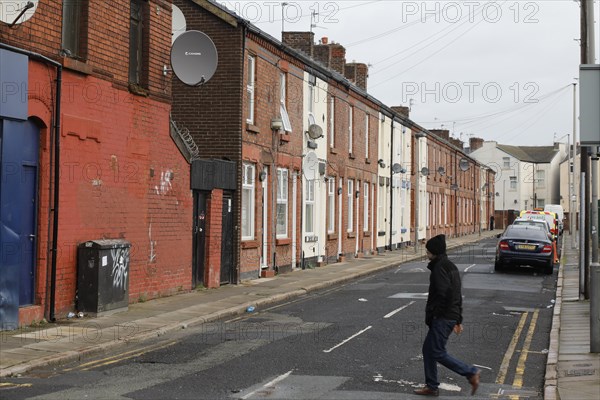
(391, 185)
(58, 67)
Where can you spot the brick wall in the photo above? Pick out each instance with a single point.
(121, 174)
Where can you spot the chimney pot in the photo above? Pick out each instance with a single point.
(324, 40)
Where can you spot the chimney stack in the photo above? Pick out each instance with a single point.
(442, 133)
(404, 111)
(475, 143)
(357, 73)
(302, 41)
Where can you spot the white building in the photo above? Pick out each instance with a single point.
(526, 176)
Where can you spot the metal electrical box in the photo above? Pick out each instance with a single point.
(103, 276)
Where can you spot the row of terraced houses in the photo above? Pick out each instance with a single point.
(281, 161)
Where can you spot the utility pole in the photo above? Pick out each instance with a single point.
(418, 136)
(572, 212)
(584, 229)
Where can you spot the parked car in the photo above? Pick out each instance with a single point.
(548, 216)
(525, 245)
(535, 222)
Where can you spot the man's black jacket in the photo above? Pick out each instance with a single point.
(445, 298)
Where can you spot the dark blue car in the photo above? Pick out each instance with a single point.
(525, 245)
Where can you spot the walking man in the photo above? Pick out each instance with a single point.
(443, 315)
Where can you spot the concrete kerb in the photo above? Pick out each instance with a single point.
(551, 377)
(78, 355)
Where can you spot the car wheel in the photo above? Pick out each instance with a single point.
(548, 269)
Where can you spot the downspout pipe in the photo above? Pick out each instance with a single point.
(59, 67)
(392, 185)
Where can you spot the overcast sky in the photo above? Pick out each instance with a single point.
(500, 70)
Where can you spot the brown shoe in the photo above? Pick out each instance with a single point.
(427, 391)
(474, 381)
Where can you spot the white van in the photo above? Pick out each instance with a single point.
(558, 210)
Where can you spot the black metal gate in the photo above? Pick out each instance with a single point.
(227, 251)
(199, 238)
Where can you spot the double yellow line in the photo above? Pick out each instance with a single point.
(119, 357)
(520, 370)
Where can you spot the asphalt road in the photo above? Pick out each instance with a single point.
(358, 341)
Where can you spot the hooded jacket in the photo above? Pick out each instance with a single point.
(445, 297)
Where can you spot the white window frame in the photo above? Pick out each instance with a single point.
(513, 182)
(381, 211)
(331, 205)
(285, 118)
(505, 162)
(350, 128)
(250, 87)
(367, 135)
(312, 85)
(248, 189)
(366, 207)
(309, 203)
(350, 226)
(540, 178)
(282, 199)
(332, 122)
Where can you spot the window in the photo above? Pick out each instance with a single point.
(513, 183)
(309, 213)
(331, 205)
(282, 202)
(248, 201)
(505, 162)
(541, 202)
(350, 116)
(366, 207)
(137, 31)
(381, 196)
(367, 136)
(331, 122)
(540, 180)
(250, 88)
(74, 28)
(312, 82)
(350, 205)
(287, 125)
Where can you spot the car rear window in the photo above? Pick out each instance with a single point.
(525, 232)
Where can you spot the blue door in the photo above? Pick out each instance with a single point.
(19, 147)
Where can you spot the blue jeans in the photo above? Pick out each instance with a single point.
(434, 351)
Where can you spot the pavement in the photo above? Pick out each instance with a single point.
(571, 371)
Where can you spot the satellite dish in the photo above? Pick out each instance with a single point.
(441, 171)
(315, 131)
(311, 165)
(194, 58)
(179, 24)
(463, 164)
(396, 168)
(402, 170)
(425, 171)
(14, 12)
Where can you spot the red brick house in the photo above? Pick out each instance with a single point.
(86, 120)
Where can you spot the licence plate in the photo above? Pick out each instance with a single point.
(526, 246)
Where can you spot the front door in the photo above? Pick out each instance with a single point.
(19, 148)
(199, 238)
(264, 255)
(227, 255)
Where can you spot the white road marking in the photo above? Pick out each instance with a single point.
(398, 310)
(422, 296)
(269, 384)
(347, 340)
(469, 267)
(452, 388)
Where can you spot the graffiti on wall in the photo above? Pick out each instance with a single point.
(120, 267)
(165, 182)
